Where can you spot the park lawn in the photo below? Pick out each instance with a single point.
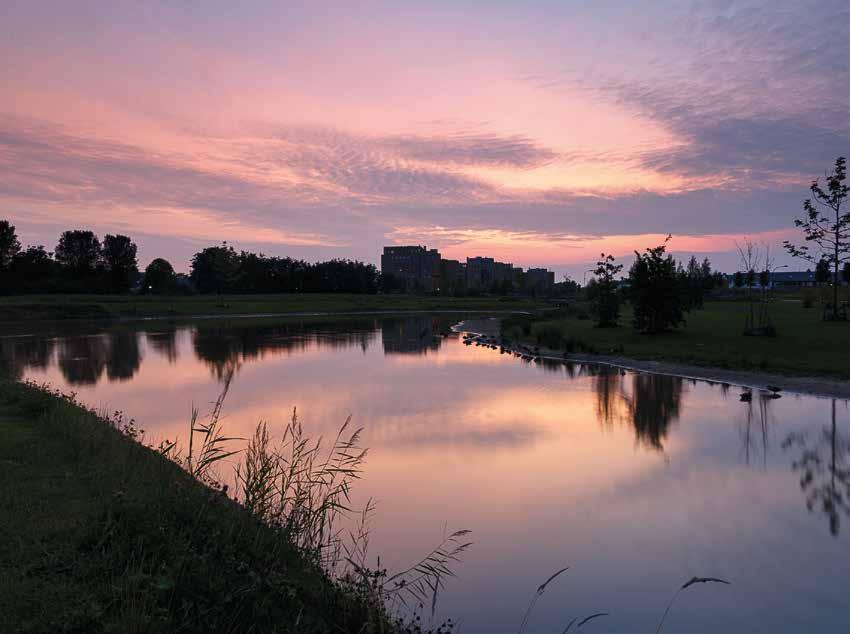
(28, 307)
(712, 336)
(100, 533)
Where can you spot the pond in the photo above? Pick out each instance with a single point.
(636, 481)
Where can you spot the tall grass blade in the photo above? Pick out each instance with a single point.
(685, 586)
(540, 590)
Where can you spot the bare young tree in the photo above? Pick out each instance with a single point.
(751, 263)
(826, 223)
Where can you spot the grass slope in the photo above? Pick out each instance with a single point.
(101, 534)
(109, 306)
(712, 336)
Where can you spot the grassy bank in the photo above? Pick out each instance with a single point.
(29, 307)
(805, 345)
(99, 533)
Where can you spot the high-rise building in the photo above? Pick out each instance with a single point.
(480, 273)
(416, 266)
(452, 276)
(539, 280)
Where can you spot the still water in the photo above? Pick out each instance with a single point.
(638, 482)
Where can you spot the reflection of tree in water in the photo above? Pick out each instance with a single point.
(654, 403)
(165, 343)
(610, 395)
(226, 348)
(21, 353)
(754, 434)
(824, 471)
(83, 359)
(124, 355)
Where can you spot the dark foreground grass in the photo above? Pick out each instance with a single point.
(712, 336)
(99, 533)
(112, 306)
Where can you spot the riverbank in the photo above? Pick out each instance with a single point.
(54, 307)
(709, 345)
(101, 533)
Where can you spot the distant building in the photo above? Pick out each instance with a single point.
(782, 279)
(416, 266)
(480, 273)
(539, 280)
(503, 274)
(452, 276)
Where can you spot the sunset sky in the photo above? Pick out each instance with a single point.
(539, 133)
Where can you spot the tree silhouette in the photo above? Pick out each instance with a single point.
(605, 302)
(826, 223)
(78, 252)
(215, 269)
(118, 255)
(658, 291)
(159, 276)
(9, 245)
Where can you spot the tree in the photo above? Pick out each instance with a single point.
(658, 291)
(118, 255)
(826, 223)
(698, 280)
(605, 303)
(159, 276)
(9, 245)
(215, 269)
(32, 265)
(78, 252)
(845, 273)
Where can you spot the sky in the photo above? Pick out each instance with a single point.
(539, 133)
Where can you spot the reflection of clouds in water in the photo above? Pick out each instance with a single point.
(479, 438)
(466, 435)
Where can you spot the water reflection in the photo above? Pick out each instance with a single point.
(22, 353)
(412, 335)
(651, 406)
(824, 470)
(639, 481)
(225, 347)
(755, 431)
(164, 342)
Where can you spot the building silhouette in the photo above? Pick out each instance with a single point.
(418, 268)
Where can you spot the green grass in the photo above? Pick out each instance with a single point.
(805, 345)
(99, 533)
(110, 306)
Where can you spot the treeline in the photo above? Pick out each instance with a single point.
(82, 263)
(660, 289)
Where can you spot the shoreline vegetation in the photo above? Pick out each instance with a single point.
(101, 532)
(107, 307)
(807, 356)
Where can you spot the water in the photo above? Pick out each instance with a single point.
(636, 481)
